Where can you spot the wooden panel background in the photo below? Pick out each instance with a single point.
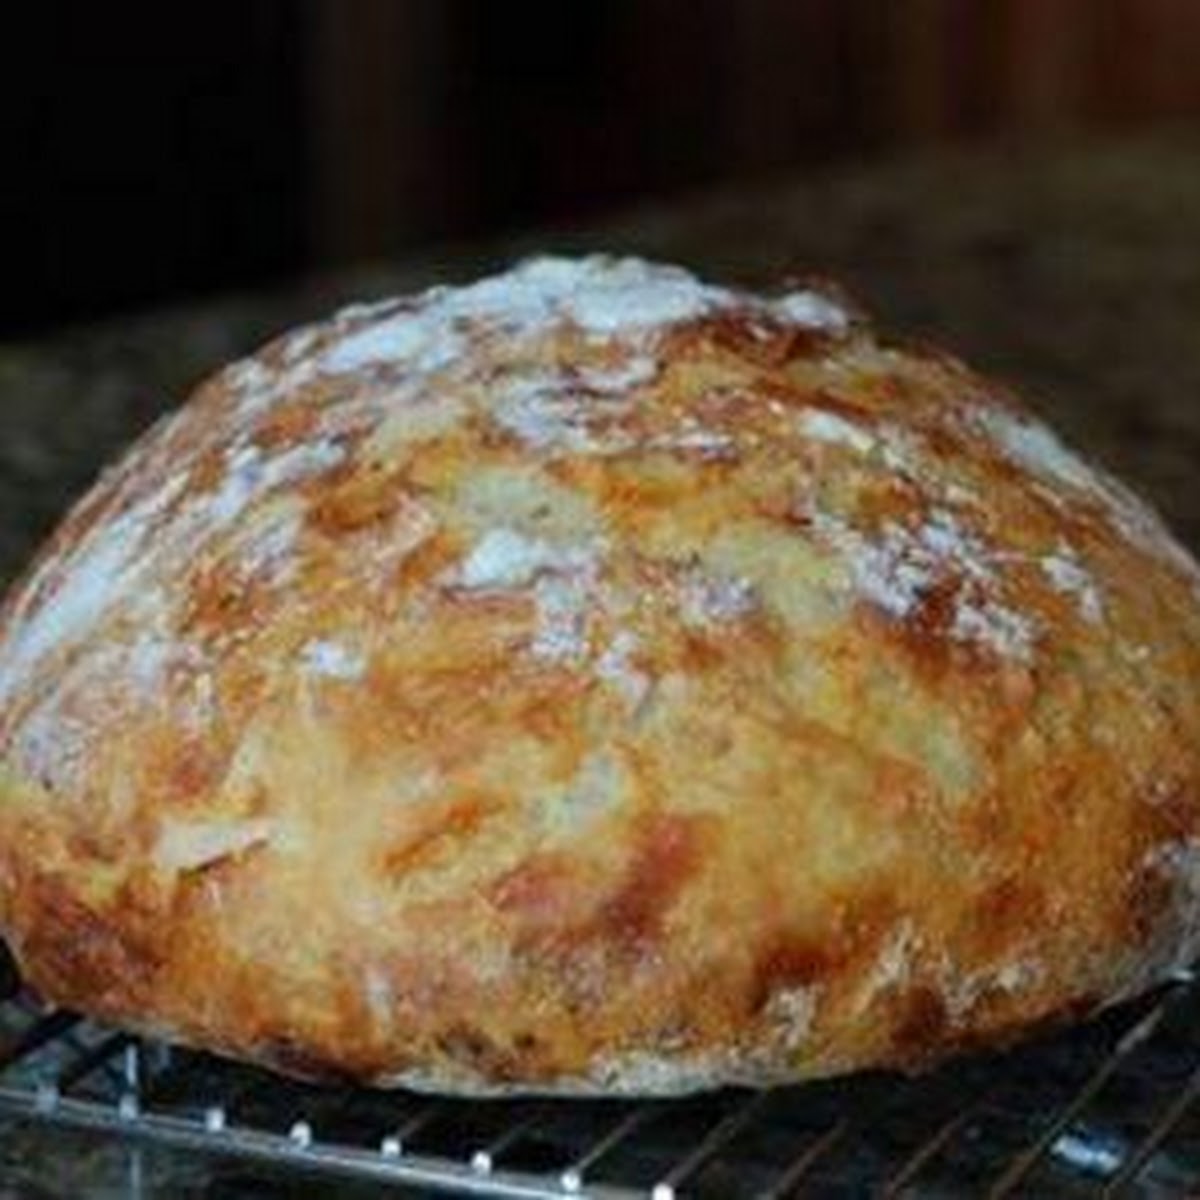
(540, 111)
(157, 152)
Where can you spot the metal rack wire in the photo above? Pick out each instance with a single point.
(1111, 1108)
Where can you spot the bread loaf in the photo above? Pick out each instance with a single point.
(593, 680)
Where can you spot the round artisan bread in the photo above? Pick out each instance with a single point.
(593, 680)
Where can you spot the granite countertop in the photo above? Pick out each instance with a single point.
(1071, 271)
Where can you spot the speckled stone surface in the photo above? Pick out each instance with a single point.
(1072, 272)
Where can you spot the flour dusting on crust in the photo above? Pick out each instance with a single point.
(1038, 449)
(594, 680)
(900, 569)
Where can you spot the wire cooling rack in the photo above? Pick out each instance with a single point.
(1112, 1108)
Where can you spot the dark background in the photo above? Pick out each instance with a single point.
(156, 151)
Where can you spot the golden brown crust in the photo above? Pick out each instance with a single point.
(593, 680)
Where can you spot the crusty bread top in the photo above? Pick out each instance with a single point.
(593, 640)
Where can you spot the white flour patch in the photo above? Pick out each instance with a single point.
(562, 578)
(73, 595)
(829, 427)
(188, 846)
(256, 388)
(51, 746)
(887, 578)
(708, 443)
(403, 340)
(791, 1014)
(268, 546)
(811, 310)
(1032, 445)
(126, 676)
(110, 566)
(602, 296)
(504, 559)
(326, 658)
(963, 991)
(147, 660)
(616, 667)
(549, 412)
(564, 413)
(637, 372)
(424, 336)
(1069, 577)
(1178, 863)
(1005, 633)
(1144, 528)
(1015, 976)
(893, 967)
(706, 600)
(300, 343)
(1037, 448)
(898, 568)
(563, 603)
(252, 385)
(251, 475)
